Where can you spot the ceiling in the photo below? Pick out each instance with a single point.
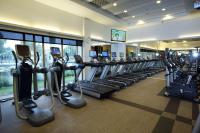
(178, 44)
(133, 11)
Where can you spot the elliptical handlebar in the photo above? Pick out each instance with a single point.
(67, 57)
(15, 57)
(38, 59)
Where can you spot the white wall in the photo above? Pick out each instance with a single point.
(32, 14)
(169, 30)
(99, 31)
(119, 48)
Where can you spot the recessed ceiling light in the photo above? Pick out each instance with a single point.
(158, 1)
(125, 11)
(133, 16)
(167, 17)
(115, 4)
(163, 9)
(140, 22)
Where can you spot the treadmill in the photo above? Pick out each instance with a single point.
(118, 71)
(89, 87)
(127, 72)
(102, 80)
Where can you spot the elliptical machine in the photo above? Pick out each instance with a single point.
(179, 85)
(58, 76)
(22, 88)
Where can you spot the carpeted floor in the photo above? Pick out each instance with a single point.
(137, 109)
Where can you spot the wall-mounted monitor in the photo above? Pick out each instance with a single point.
(118, 35)
(197, 4)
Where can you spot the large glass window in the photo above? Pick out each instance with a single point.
(7, 62)
(48, 57)
(37, 43)
(40, 76)
(71, 51)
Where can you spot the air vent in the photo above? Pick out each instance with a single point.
(99, 3)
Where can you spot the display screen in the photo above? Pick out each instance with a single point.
(197, 4)
(55, 51)
(118, 35)
(93, 54)
(104, 54)
(114, 54)
(23, 50)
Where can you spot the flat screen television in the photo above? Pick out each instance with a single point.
(93, 54)
(104, 54)
(197, 4)
(118, 35)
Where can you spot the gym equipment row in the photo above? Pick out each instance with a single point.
(182, 75)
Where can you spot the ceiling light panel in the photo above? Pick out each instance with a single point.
(140, 22)
(168, 17)
(125, 11)
(158, 1)
(115, 4)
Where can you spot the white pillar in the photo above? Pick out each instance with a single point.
(86, 39)
(138, 51)
(119, 48)
(86, 44)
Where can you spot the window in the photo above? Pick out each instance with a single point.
(40, 76)
(7, 62)
(71, 51)
(11, 35)
(38, 38)
(28, 37)
(9, 39)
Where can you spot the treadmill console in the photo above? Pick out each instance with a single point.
(105, 54)
(93, 54)
(114, 54)
(121, 54)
